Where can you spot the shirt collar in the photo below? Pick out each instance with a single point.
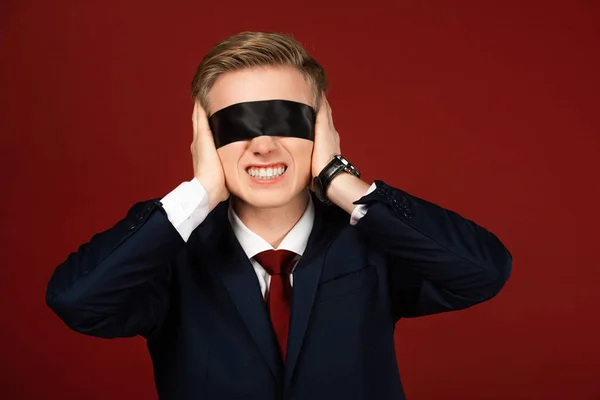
(296, 239)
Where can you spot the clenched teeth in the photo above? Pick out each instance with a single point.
(266, 173)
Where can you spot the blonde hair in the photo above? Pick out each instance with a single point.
(256, 49)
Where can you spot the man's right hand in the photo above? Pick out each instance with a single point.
(207, 165)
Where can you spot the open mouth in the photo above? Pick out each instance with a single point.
(266, 172)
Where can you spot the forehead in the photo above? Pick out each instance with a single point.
(260, 83)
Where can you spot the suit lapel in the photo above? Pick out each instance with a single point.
(239, 278)
(306, 279)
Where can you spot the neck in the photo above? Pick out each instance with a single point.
(272, 224)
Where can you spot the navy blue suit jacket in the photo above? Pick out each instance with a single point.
(200, 307)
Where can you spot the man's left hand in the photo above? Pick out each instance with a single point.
(327, 140)
(345, 188)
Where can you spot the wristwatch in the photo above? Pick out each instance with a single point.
(321, 182)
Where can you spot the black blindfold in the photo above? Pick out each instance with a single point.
(245, 121)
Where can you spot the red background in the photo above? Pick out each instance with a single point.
(488, 108)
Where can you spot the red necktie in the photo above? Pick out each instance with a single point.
(279, 263)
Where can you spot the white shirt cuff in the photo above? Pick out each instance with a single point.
(186, 207)
(361, 209)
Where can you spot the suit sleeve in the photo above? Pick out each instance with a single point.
(438, 260)
(117, 284)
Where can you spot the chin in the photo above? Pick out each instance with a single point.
(259, 202)
(269, 198)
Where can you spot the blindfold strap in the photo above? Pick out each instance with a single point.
(245, 121)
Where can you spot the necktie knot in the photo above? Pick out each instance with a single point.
(276, 262)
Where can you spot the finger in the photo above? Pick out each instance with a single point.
(328, 111)
(202, 120)
(330, 115)
(194, 120)
(324, 101)
(322, 111)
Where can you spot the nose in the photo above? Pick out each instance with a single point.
(263, 145)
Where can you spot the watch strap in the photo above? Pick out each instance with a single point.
(337, 165)
(329, 172)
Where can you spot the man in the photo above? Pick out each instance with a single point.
(228, 317)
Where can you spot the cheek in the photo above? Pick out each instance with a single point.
(301, 151)
(229, 156)
(305, 157)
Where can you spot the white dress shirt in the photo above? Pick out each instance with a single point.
(187, 206)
